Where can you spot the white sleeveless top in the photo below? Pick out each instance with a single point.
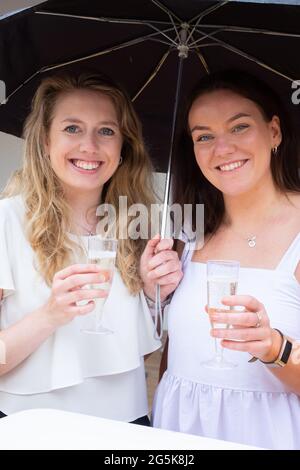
(247, 404)
(99, 375)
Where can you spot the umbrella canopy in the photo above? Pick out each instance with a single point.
(139, 43)
(157, 49)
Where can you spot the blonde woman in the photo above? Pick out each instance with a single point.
(83, 147)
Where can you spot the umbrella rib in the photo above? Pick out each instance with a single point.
(248, 57)
(207, 11)
(204, 45)
(112, 20)
(106, 51)
(160, 41)
(201, 15)
(103, 19)
(241, 29)
(204, 36)
(170, 13)
(201, 58)
(153, 74)
(203, 61)
(20, 86)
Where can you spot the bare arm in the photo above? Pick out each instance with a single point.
(290, 374)
(262, 341)
(22, 338)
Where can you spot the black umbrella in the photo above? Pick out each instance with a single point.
(151, 47)
(157, 49)
(139, 42)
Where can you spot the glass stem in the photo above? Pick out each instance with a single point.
(98, 313)
(98, 318)
(218, 349)
(96, 321)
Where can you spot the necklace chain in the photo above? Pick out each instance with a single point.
(89, 233)
(251, 240)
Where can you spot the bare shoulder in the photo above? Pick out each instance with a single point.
(290, 213)
(292, 221)
(295, 199)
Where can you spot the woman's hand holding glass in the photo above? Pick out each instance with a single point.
(250, 328)
(67, 290)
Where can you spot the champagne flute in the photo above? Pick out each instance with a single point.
(101, 251)
(222, 281)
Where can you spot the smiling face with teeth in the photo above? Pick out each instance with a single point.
(84, 141)
(232, 141)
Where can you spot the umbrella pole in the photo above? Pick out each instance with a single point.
(168, 177)
(158, 310)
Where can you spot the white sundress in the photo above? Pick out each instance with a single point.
(247, 404)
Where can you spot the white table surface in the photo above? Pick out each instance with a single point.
(55, 429)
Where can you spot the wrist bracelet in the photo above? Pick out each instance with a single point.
(284, 353)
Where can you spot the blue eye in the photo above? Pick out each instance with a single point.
(240, 127)
(71, 129)
(204, 138)
(106, 131)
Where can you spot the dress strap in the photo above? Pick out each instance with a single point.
(291, 257)
(188, 250)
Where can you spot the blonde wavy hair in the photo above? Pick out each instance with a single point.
(47, 212)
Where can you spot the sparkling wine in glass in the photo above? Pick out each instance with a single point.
(222, 281)
(101, 251)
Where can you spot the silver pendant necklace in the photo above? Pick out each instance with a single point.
(90, 233)
(252, 241)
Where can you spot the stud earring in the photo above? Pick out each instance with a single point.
(274, 150)
(121, 160)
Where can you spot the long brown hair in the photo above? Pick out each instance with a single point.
(189, 183)
(47, 212)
